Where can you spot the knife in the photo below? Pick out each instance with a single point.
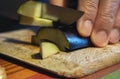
(64, 15)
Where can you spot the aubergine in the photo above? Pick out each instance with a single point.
(30, 9)
(52, 35)
(47, 49)
(66, 39)
(24, 20)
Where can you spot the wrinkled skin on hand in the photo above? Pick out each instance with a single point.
(101, 21)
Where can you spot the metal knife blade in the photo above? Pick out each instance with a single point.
(65, 15)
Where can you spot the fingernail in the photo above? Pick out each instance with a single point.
(86, 28)
(100, 38)
(114, 36)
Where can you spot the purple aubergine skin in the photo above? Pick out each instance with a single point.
(75, 40)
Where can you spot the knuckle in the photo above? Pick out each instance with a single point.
(89, 6)
(107, 18)
(117, 21)
(105, 22)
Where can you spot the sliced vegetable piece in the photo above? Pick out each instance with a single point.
(66, 40)
(30, 9)
(53, 35)
(35, 21)
(48, 49)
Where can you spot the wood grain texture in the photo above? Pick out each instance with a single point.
(16, 44)
(14, 71)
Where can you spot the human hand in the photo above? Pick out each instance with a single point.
(100, 21)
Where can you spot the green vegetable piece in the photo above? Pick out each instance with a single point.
(47, 49)
(35, 21)
(53, 35)
(30, 9)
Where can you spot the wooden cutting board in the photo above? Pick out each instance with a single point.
(17, 44)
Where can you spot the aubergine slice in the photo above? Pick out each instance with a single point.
(47, 49)
(66, 39)
(30, 9)
(36, 21)
(53, 35)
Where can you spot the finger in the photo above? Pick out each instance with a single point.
(58, 2)
(115, 32)
(85, 23)
(104, 22)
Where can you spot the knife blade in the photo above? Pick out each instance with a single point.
(64, 15)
